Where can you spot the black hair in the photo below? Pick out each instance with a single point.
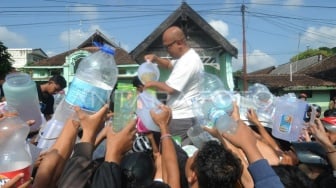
(330, 113)
(136, 82)
(292, 176)
(138, 170)
(317, 108)
(216, 166)
(60, 80)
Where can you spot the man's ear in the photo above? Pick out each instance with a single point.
(192, 179)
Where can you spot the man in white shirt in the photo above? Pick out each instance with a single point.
(183, 82)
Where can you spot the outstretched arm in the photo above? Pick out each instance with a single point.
(321, 136)
(171, 174)
(79, 167)
(262, 173)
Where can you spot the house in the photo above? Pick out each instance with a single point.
(314, 76)
(215, 51)
(24, 56)
(67, 62)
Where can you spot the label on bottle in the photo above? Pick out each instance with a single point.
(285, 123)
(86, 95)
(6, 176)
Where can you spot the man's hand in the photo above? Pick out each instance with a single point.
(151, 58)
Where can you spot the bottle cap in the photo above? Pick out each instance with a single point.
(105, 48)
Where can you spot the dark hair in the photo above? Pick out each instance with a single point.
(216, 166)
(136, 82)
(330, 113)
(317, 108)
(58, 79)
(292, 177)
(137, 170)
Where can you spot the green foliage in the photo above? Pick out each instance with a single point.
(5, 61)
(325, 51)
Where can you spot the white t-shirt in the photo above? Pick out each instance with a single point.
(184, 78)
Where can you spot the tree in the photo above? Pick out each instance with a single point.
(325, 51)
(5, 61)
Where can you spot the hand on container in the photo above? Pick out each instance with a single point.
(12, 183)
(117, 144)
(150, 58)
(162, 118)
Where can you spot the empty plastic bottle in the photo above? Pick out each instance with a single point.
(124, 106)
(21, 93)
(14, 156)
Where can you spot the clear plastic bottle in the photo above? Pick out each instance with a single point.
(90, 89)
(145, 103)
(288, 119)
(21, 93)
(124, 106)
(58, 98)
(14, 156)
(148, 71)
(198, 136)
(210, 82)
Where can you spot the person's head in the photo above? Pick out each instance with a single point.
(174, 40)
(292, 176)
(137, 83)
(137, 170)
(213, 166)
(55, 84)
(317, 108)
(303, 96)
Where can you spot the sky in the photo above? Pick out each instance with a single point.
(275, 30)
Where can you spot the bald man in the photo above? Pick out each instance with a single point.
(182, 84)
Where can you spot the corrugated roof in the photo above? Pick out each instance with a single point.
(297, 66)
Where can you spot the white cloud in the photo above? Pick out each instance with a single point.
(254, 61)
(75, 37)
(87, 11)
(220, 26)
(319, 37)
(11, 39)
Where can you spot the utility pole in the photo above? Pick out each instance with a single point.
(244, 49)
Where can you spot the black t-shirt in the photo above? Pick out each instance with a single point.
(46, 102)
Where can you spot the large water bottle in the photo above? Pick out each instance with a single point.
(90, 90)
(209, 84)
(21, 93)
(259, 98)
(14, 156)
(288, 118)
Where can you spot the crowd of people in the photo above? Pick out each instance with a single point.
(250, 157)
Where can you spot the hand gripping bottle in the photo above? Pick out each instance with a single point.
(21, 93)
(90, 89)
(14, 156)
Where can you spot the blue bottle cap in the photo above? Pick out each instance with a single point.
(105, 48)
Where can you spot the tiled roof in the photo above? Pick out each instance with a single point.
(284, 80)
(263, 71)
(121, 57)
(297, 66)
(310, 72)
